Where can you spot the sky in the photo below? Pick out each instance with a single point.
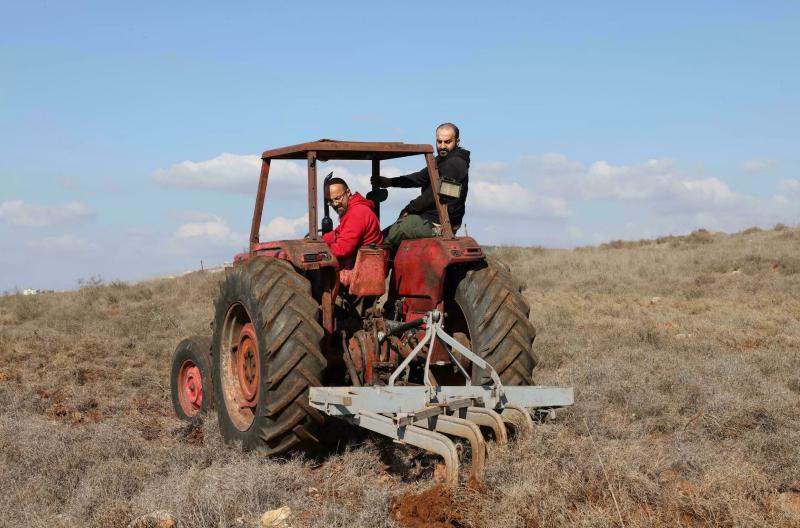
(130, 133)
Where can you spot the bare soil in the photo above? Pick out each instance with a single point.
(434, 507)
(684, 353)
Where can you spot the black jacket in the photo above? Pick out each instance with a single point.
(454, 166)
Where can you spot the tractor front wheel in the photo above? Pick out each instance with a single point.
(190, 378)
(267, 354)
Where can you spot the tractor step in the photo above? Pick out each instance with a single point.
(425, 416)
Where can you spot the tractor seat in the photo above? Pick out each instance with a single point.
(377, 195)
(368, 276)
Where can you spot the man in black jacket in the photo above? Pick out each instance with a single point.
(419, 219)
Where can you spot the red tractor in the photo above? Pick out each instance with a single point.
(295, 337)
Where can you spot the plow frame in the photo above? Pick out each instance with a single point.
(425, 415)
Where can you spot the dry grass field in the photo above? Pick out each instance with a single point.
(684, 353)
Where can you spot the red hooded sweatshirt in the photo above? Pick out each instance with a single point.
(358, 227)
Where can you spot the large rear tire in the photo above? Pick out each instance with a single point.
(490, 314)
(267, 354)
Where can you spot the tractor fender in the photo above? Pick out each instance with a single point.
(420, 267)
(302, 254)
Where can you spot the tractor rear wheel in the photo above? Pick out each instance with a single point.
(267, 354)
(489, 314)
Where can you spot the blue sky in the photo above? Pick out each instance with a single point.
(129, 132)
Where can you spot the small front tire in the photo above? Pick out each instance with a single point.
(191, 384)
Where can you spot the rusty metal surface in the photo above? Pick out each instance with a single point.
(240, 408)
(441, 209)
(303, 254)
(255, 226)
(248, 365)
(422, 285)
(326, 149)
(329, 290)
(454, 426)
(190, 388)
(329, 149)
(368, 276)
(312, 196)
(361, 351)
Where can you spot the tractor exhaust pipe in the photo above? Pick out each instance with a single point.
(327, 223)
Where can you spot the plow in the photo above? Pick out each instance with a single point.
(427, 416)
(429, 343)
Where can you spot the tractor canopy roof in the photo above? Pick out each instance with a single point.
(331, 149)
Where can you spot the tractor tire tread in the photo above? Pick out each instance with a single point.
(288, 318)
(498, 315)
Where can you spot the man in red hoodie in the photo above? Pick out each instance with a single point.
(358, 225)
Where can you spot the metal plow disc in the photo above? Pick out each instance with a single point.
(426, 416)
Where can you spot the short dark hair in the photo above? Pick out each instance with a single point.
(451, 125)
(338, 181)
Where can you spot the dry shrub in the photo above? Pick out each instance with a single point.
(26, 307)
(684, 353)
(700, 236)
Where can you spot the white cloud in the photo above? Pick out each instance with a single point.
(551, 166)
(596, 202)
(282, 228)
(758, 165)
(490, 170)
(214, 231)
(512, 199)
(67, 243)
(287, 180)
(588, 200)
(26, 214)
(627, 182)
(653, 181)
(233, 172)
(707, 193)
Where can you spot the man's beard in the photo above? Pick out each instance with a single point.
(443, 152)
(340, 211)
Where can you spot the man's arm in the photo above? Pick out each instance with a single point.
(455, 169)
(415, 179)
(347, 240)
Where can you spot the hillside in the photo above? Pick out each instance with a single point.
(684, 353)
